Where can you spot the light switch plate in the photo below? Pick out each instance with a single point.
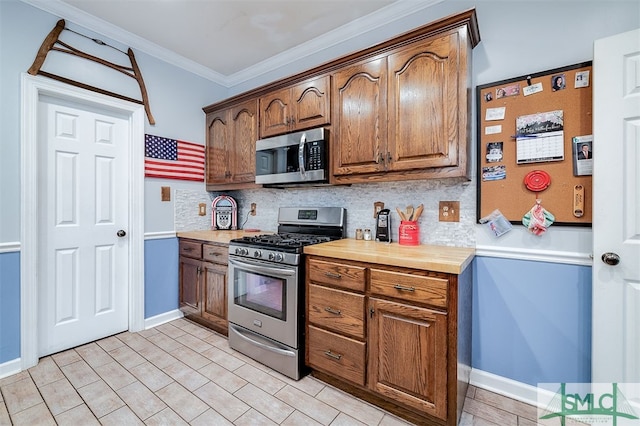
(449, 211)
(165, 193)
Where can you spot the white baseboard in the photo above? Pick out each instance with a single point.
(162, 318)
(10, 367)
(507, 387)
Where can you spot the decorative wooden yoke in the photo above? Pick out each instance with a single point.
(52, 42)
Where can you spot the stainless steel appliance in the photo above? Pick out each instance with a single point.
(224, 213)
(293, 158)
(266, 286)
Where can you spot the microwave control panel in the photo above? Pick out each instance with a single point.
(315, 155)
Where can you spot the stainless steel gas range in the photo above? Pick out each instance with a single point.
(266, 286)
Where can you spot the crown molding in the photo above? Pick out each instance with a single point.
(396, 10)
(393, 12)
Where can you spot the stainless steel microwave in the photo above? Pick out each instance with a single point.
(293, 158)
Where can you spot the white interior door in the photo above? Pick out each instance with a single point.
(616, 201)
(83, 286)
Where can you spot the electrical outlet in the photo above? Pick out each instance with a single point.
(377, 206)
(449, 211)
(253, 209)
(202, 209)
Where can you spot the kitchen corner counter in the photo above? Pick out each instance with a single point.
(446, 259)
(220, 237)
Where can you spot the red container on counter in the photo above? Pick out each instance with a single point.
(409, 233)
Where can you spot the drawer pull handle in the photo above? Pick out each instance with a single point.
(332, 311)
(211, 253)
(332, 355)
(399, 287)
(332, 275)
(188, 248)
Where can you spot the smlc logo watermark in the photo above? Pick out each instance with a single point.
(616, 404)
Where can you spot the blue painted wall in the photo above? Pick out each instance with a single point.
(532, 320)
(160, 276)
(160, 295)
(9, 306)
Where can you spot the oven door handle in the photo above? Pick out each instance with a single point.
(263, 269)
(274, 349)
(301, 157)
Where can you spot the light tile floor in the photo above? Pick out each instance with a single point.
(180, 373)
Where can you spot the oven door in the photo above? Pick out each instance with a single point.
(263, 298)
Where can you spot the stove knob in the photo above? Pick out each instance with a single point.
(257, 253)
(272, 256)
(279, 257)
(238, 250)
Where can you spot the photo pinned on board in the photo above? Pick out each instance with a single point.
(511, 90)
(558, 82)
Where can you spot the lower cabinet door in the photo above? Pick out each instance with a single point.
(408, 356)
(189, 282)
(337, 355)
(214, 294)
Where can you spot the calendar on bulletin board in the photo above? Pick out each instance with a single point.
(535, 145)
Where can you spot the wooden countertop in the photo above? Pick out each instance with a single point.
(221, 237)
(451, 260)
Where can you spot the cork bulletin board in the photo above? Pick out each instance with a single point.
(531, 132)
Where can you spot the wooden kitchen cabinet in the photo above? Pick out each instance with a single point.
(408, 355)
(203, 283)
(302, 106)
(398, 337)
(427, 105)
(190, 283)
(360, 117)
(403, 115)
(231, 144)
(398, 110)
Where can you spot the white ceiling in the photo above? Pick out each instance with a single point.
(229, 41)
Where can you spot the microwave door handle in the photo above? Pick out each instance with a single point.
(262, 269)
(301, 159)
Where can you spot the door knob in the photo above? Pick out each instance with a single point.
(121, 233)
(610, 259)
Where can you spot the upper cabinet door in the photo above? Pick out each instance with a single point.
(294, 108)
(275, 113)
(311, 106)
(424, 105)
(217, 150)
(242, 145)
(231, 146)
(360, 118)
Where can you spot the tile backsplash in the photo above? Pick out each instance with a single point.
(357, 199)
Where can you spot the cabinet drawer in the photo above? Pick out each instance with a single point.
(413, 288)
(191, 249)
(337, 310)
(215, 254)
(346, 276)
(338, 355)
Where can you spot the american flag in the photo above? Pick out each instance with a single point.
(173, 159)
